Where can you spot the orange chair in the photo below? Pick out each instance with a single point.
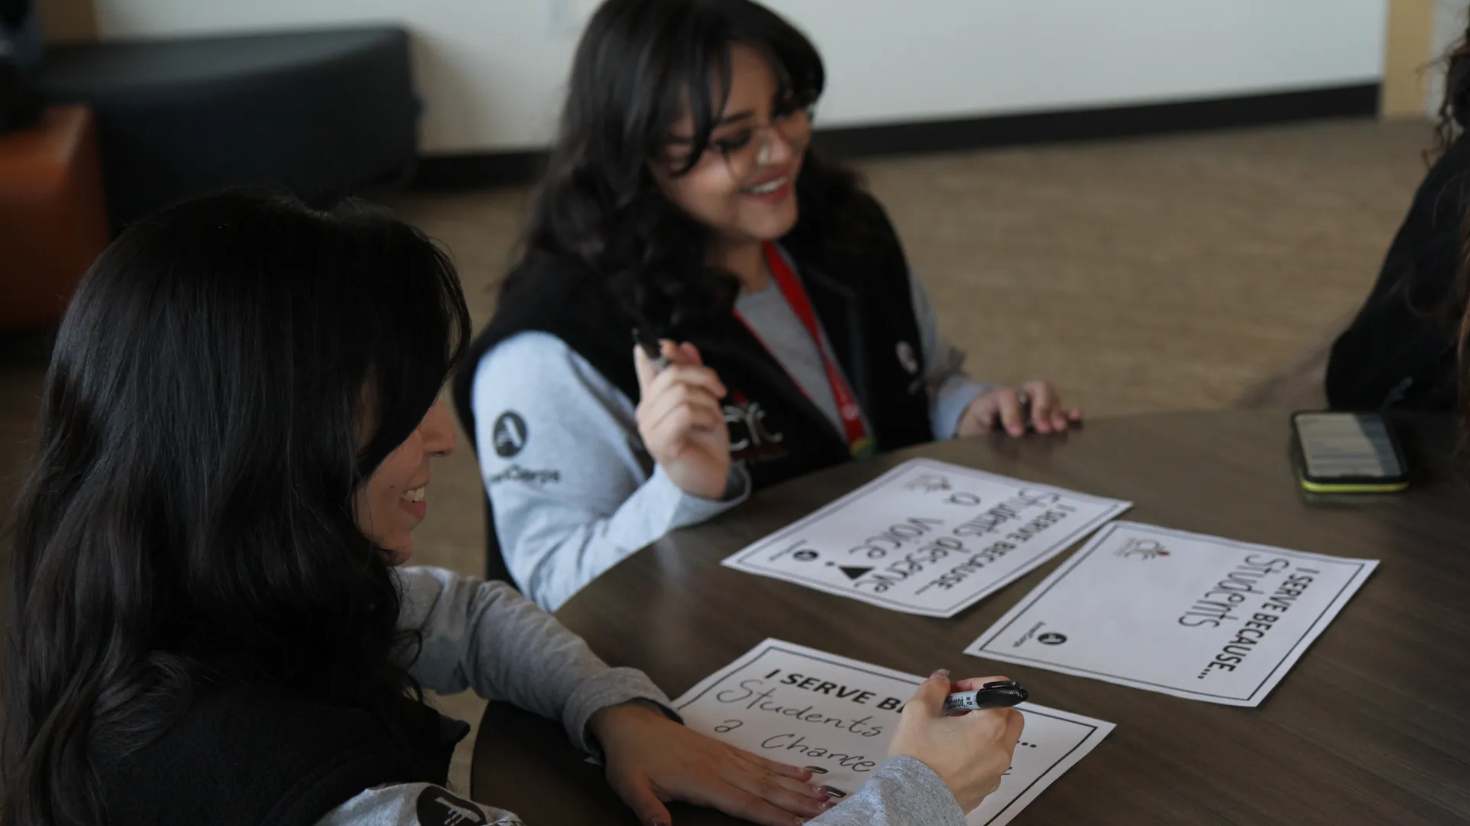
(53, 218)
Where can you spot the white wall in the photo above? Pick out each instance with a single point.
(492, 71)
(1449, 27)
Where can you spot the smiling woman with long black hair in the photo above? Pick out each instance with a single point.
(206, 621)
(682, 204)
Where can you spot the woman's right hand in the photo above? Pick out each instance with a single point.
(681, 421)
(970, 752)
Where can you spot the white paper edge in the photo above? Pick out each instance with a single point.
(1284, 667)
(736, 561)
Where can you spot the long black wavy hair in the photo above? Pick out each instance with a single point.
(228, 375)
(1454, 120)
(639, 64)
(1454, 107)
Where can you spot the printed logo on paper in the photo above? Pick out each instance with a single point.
(930, 483)
(1142, 549)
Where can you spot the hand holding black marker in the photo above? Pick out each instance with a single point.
(1000, 694)
(680, 418)
(969, 752)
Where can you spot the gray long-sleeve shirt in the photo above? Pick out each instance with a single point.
(485, 636)
(574, 492)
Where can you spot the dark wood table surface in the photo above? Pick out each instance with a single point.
(1371, 726)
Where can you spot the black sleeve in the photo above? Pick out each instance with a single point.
(1399, 350)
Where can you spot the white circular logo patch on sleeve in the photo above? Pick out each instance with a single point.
(907, 358)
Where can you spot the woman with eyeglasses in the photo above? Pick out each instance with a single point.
(778, 328)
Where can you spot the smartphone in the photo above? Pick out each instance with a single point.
(1347, 453)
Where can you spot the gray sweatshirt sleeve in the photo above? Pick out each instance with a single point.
(573, 490)
(484, 635)
(904, 792)
(950, 390)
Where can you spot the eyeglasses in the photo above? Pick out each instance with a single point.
(748, 147)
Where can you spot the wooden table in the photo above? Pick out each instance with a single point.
(1371, 726)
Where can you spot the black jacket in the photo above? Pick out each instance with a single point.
(1399, 350)
(861, 295)
(252, 756)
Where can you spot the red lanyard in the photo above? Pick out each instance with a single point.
(858, 441)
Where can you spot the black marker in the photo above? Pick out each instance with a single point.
(652, 349)
(1002, 694)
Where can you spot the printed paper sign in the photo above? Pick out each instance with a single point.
(928, 537)
(808, 708)
(1180, 613)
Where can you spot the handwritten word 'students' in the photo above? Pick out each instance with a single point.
(755, 695)
(908, 549)
(1221, 603)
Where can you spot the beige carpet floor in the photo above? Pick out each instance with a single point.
(1187, 272)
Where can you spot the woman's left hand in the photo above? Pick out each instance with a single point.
(652, 760)
(1007, 408)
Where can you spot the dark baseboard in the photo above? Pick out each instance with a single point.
(1100, 124)
(1358, 101)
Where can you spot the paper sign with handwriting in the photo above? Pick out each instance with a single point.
(928, 537)
(1180, 613)
(809, 708)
